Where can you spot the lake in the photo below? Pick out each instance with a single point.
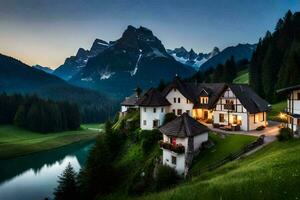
(35, 176)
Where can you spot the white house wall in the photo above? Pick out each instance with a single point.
(199, 139)
(259, 120)
(180, 161)
(150, 116)
(183, 105)
(243, 117)
(296, 103)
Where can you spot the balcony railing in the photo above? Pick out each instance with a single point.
(177, 148)
(229, 106)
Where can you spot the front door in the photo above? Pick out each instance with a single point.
(205, 115)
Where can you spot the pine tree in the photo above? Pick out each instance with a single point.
(217, 75)
(161, 85)
(67, 188)
(20, 117)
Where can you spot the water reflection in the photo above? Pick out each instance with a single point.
(35, 176)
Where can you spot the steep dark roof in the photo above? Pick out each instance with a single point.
(183, 126)
(214, 91)
(192, 91)
(249, 99)
(153, 98)
(130, 101)
(288, 89)
(181, 87)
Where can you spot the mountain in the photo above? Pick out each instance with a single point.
(45, 69)
(17, 77)
(239, 52)
(74, 64)
(191, 58)
(203, 61)
(137, 58)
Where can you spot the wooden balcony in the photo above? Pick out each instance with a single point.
(177, 148)
(229, 107)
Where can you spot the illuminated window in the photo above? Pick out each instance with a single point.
(221, 117)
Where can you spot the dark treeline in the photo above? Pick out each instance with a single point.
(35, 114)
(276, 62)
(224, 73)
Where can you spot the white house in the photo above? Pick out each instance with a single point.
(293, 107)
(239, 107)
(153, 107)
(228, 106)
(131, 101)
(198, 100)
(182, 139)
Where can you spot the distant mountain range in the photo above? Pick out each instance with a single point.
(138, 58)
(45, 69)
(191, 58)
(203, 61)
(17, 77)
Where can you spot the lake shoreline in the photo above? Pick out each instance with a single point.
(20, 145)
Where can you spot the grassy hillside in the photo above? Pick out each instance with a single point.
(271, 173)
(274, 113)
(242, 77)
(17, 142)
(223, 147)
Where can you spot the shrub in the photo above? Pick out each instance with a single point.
(149, 138)
(260, 128)
(285, 134)
(169, 117)
(166, 177)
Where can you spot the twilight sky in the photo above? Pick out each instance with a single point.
(45, 32)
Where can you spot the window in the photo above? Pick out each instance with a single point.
(234, 119)
(298, 122)
(154, 110)
(298, 96)
(144, 122)
(178, 100)
(173, 111)
(188, 112)
(173, 160)
(174, 100)
(187, 101)
(175, 89)
(179, 112)
(162, 110)
(145, 110)
(155, 123)
(221, 117)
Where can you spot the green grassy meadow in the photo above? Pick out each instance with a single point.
(242, 77)
(271, 173)
(93, 126)
(223, 147)
(17, 142)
